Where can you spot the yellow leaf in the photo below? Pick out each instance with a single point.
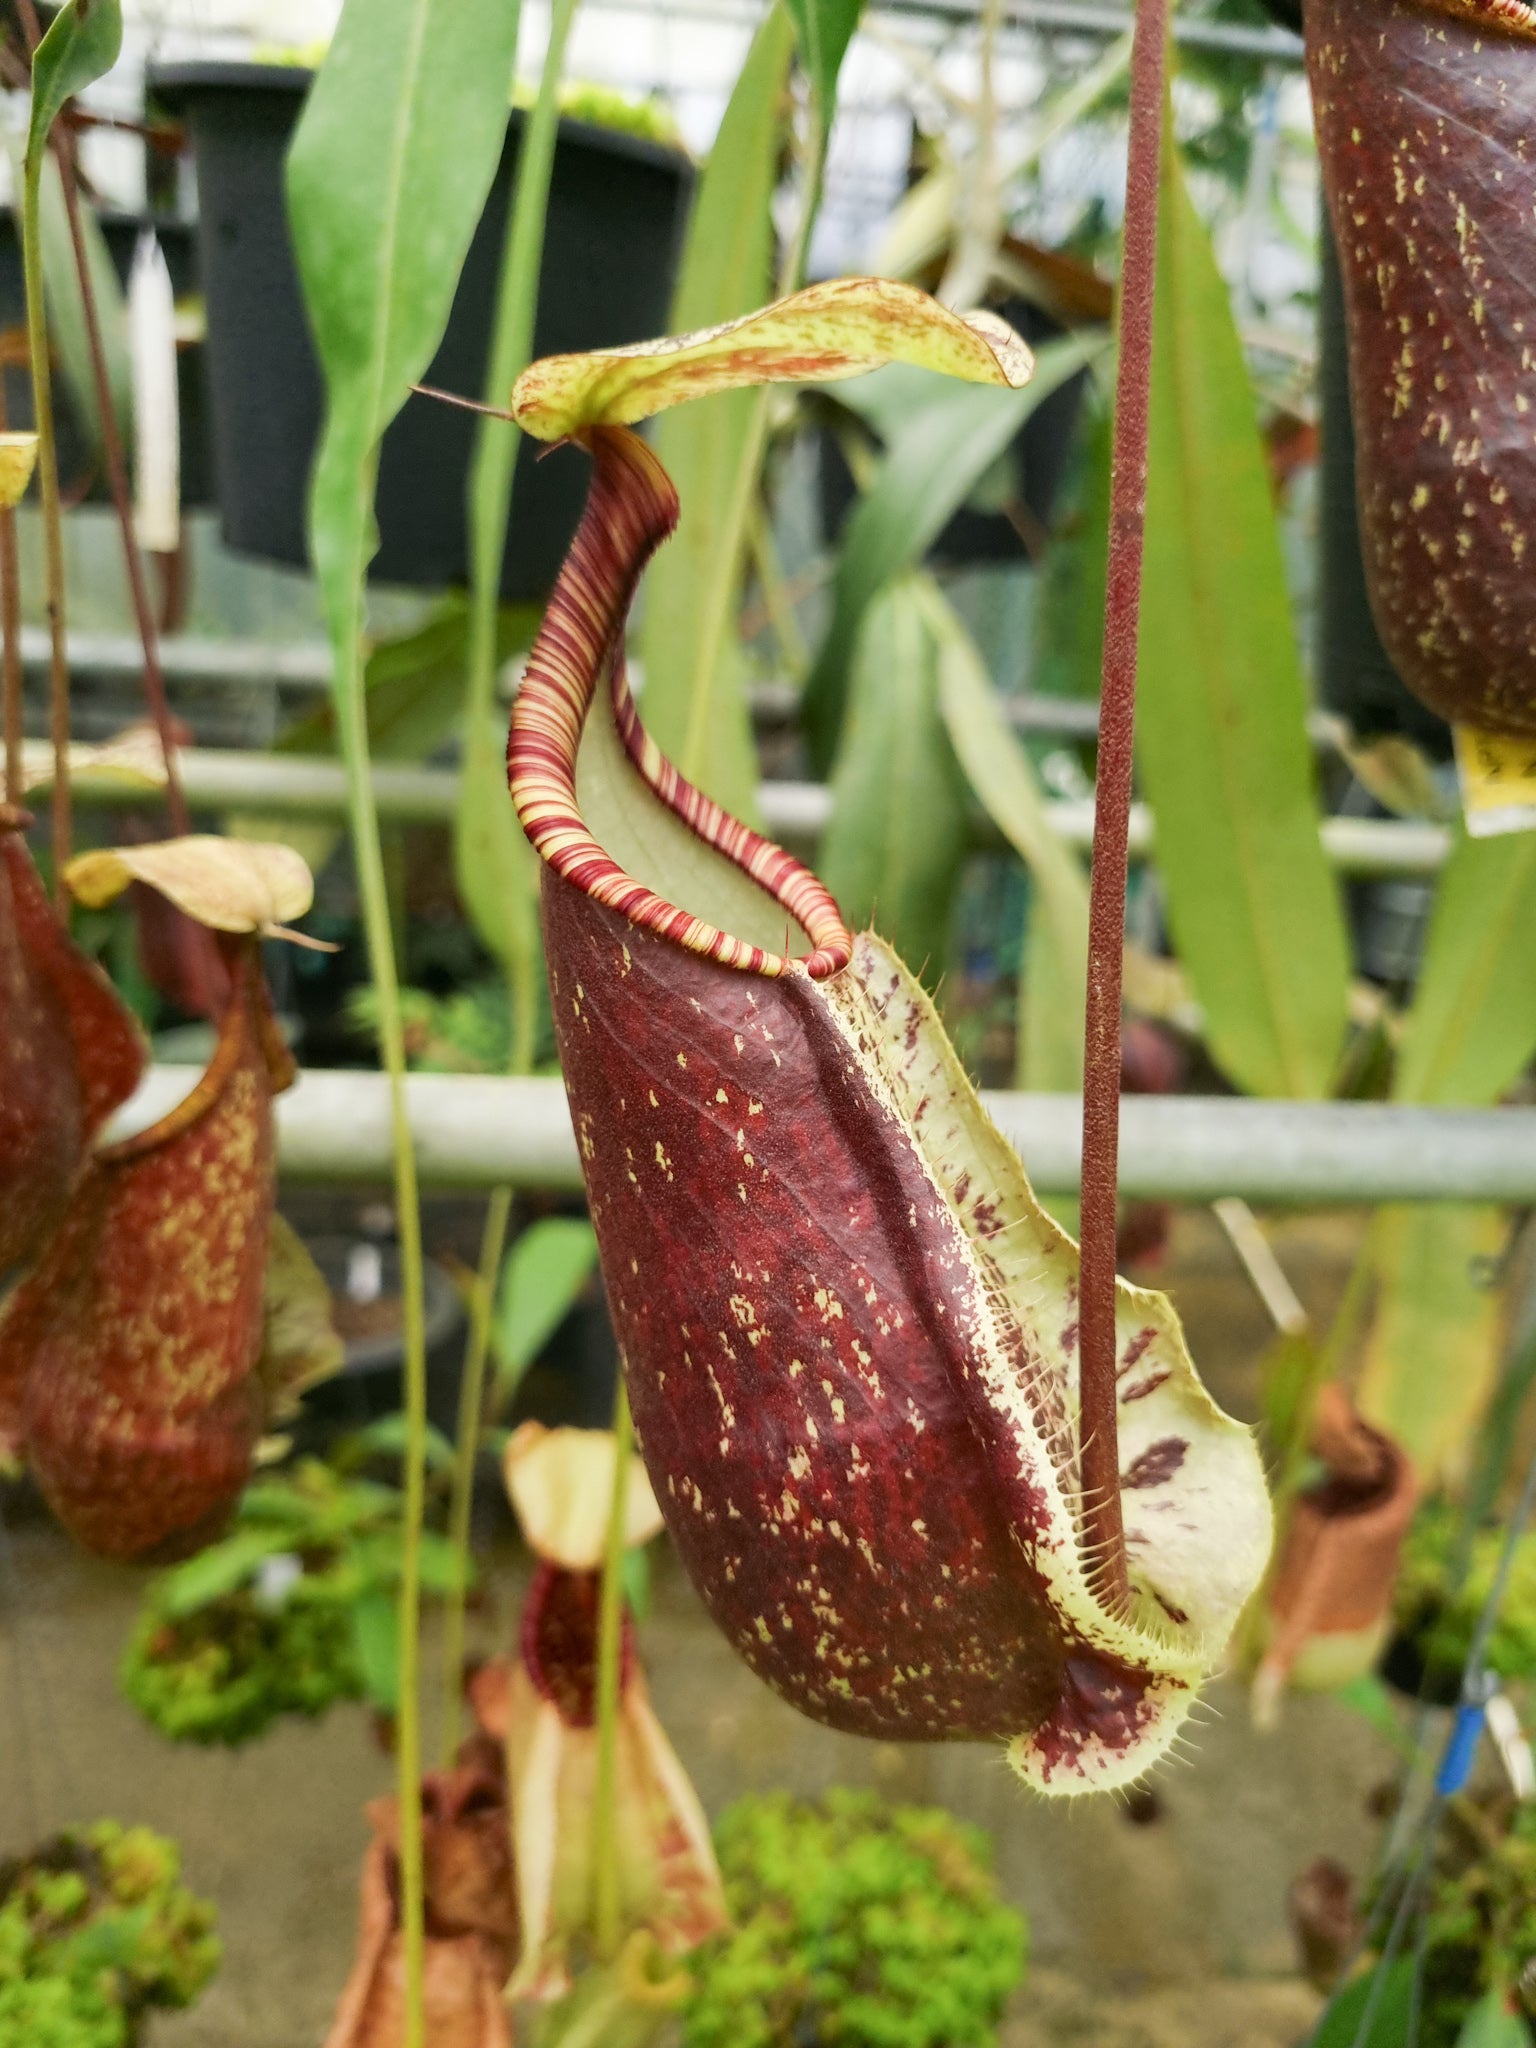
(561, 1481)
(131, 759)
(829, 331)
(18, 455)
(229, 885)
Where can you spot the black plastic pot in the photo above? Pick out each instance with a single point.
(1408, 1671)
(617, 207)
(121, 232)
(1038, 458)
(369, 1384)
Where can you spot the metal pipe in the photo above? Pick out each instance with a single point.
(312, 786)
(481, 1131)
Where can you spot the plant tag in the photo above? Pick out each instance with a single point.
(1498, 781)
(276, 1578)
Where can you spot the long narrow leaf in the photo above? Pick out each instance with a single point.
(695, 698)
(953, 435)
(1056, 943)
(1221, 732)
(825, 28)
(1472, 1028)
(81, 45)
(1432, 1354)
(893, 850)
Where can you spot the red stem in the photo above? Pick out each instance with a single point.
(1103, 1527)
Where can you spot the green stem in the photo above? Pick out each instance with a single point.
(607, 1921)
(53, 525)
(490, 504)
(466, 1452)
(373, 892)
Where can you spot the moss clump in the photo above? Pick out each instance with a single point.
(225, 1672)
(858, 1925)
(295, 1609)
(1480, 1918)
(95, 1930)
(1442, 1627)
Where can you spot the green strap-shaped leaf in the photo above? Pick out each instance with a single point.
(1372, 2011)
(81, 46)
(387, 175)
(952, 436)
(825, 29)
(1494, 2022)
(497, 871)
(544, 1274)
(1432, 1355)
(1472, 1028)
(1221, 735)
(893, 850)
(695, 696)
(1056, 943)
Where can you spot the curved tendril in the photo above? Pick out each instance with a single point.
(631, 509)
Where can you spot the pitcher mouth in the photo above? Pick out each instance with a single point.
(1517, 17)
(631, 509)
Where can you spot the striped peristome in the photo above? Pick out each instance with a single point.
(631, 509)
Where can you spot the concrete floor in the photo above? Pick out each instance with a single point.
(1144, 1935)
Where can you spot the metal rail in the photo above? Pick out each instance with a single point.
(309, 786)
(477, 1131)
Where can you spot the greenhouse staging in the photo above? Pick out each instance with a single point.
(768, 1024)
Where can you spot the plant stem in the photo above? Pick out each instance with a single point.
(117, 478)
(490, 504)
(53, 528)
(466, 1452)
(373, 892)
(607, 1927)
(1103, 1527)
(10, 645)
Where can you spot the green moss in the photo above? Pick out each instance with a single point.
(1442, 1627)
(858, 1925)
(226, 1672)
(221, 1649)
(1480, 1923)
(604, 107)
(95, 1930)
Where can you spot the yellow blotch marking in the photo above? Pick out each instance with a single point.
(721, 1096)
(682, 1059)
(662, 1160)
